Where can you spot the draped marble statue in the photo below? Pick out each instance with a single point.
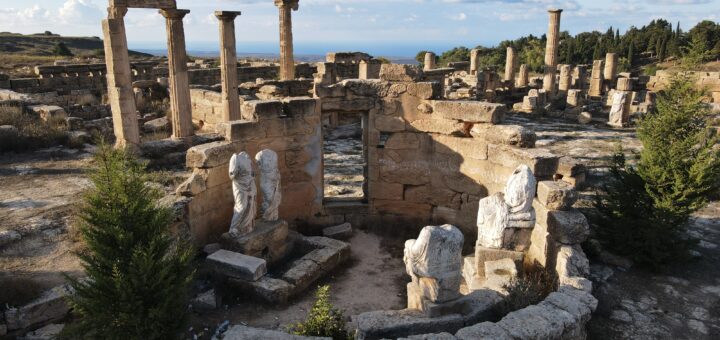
(434, 261)
(245, 192)
(267, 161)
(511, 209)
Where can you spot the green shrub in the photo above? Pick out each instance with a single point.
(62, 50)
(32, 133)
(530, 289)
(137, 273)
(323, 320)
(645, 208)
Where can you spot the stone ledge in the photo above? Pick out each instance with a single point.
(250, 333)
(469, 111)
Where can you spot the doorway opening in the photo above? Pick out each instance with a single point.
(345, 156)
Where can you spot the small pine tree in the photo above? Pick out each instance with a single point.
(323, 320)
(137, 274)
(62, 50)
(646, 208)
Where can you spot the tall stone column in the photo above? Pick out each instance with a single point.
(551, 50)
(474, 61)
(287, 63)
(523, 77)
(119, 80)
(510, 65)
(228, 66)
(429, 63)
(180, 107)
(596, 79)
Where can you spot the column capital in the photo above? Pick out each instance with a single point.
(227, 15)
(555, 10)
(116, 12)
(294, 4)
(174, 14)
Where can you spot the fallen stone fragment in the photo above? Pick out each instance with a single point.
(339, 232)
(237, 265)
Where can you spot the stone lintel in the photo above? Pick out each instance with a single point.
(159, 4)
(174, 14)
(227, 15)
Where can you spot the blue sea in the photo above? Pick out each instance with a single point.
(305, 51)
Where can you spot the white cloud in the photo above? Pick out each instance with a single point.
(458, 17)
(80, 12)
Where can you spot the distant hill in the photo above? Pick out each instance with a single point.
(43, 44)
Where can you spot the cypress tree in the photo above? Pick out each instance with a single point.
(646, 208)
(631, 54)
(137, 273)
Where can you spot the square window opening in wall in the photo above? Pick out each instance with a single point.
(345, 156)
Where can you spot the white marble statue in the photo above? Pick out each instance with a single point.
(519, 195)
(245, 192)
(511, 209)
(267, 161)
(434, 261)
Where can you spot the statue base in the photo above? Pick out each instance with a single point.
(269, 241)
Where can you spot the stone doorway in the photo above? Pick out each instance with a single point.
(345, 156)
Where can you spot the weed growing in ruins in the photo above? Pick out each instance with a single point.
(137, 273)
(324, 319)
(28, 132)
(530, 289)
(646, 208)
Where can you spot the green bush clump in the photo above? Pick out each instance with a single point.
(323, 320)
(138, 275)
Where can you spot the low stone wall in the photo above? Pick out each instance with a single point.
(211, 76)
(292, 129)
(708, 81)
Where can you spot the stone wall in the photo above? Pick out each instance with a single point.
(708, 81)
(292, 129)
(429, 160)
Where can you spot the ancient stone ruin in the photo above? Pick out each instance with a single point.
(437, 156)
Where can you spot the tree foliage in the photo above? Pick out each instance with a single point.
(646, 207)
(61, 49)
(658, 39)
(137, 273)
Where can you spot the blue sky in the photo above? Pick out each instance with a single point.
(387, 26)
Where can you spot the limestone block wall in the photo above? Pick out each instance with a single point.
(708, 81)
(431, 160)
(292, 129)
(211, 76)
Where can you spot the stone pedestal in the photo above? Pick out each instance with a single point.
(180, 106)
(551, 50)
(287, 62)
(228, 65)
(624, 84)
(119, 80)
(429, 63)
(510, 66)
(269, 241)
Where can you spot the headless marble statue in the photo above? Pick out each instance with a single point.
(434, 262)
(511, 209)
(267, 161)
(244, 191)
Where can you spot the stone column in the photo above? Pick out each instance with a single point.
(287, 63)
(474, 61)
(228, 65)
(596, 79)
(119, 80)
(523, 77)
(429, 63)
(565, 79)
(510, 65)
(611, 64)
(551, 50)
(180, 107)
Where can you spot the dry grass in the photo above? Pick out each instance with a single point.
(530, 289)
(32, 132)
